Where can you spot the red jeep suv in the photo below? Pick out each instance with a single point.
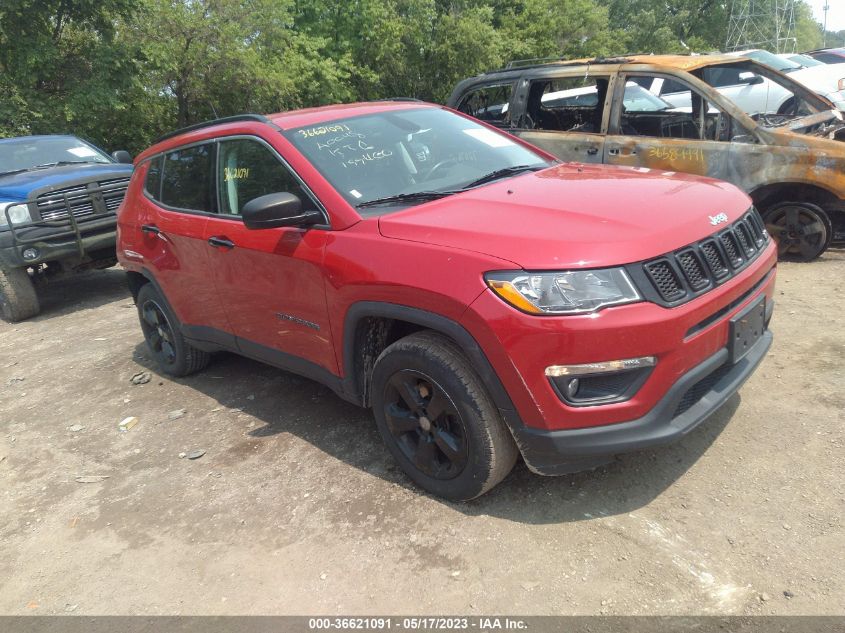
(484, 300)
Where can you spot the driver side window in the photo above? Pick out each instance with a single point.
(679, 113)
(246, 170)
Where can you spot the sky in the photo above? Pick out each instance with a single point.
(835, 16)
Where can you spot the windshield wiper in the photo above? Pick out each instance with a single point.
(406, 197)
(14, 171)
(45, 166)
(501, 173)
(60, 162)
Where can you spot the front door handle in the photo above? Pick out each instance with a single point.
(151, 229)
(592, 151)
(613, 152)
(221, 242)
(619, 152)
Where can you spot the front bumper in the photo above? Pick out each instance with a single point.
(689, 341)
(690, 401)
(66, 241)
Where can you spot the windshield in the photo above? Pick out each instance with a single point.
(387, 154)
(773, 61)
(30, 152)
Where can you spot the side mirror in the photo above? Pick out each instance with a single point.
(122, 156)
(278, 209)
(751, 79)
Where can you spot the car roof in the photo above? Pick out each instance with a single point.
(678, 62)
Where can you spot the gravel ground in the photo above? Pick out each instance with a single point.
(296, 508)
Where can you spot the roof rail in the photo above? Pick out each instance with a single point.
(560, 62)
(531, 61)
(226, 119)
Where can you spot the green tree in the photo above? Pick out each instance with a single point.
(664, 26)
(63, 67)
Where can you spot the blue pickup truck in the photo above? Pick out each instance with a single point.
(59, 197)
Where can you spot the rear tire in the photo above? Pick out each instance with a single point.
(436, 418)
(802, 230)
(18, 300)
(172, 353)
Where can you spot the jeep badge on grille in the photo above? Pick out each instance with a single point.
(715, 220)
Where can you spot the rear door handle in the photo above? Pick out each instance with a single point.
(152, 229)
(592, 151)
(221, 242)
(613, 152)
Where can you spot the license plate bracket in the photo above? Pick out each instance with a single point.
(746, 328)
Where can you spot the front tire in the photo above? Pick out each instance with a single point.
(18, 300)
(802, 230)
(437, 420)
(173, 354)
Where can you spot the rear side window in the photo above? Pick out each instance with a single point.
(567, 104)
(186, 183)
(248, 170)
(488, 103)
(152, 184)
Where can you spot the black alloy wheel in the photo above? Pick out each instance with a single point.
(425, 424)
(437, 419)
(173, 354)
(158, 332)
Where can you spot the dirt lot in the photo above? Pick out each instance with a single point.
(296, 507)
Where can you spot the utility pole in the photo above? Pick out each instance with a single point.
(767, 24)
(824, 32)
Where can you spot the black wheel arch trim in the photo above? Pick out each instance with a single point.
(146, 273)
(430, 320)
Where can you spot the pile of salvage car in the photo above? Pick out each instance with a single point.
(770, 124)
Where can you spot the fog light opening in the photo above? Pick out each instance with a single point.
(594, 384)
(31, 254)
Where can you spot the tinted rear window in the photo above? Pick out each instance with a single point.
(186, 182)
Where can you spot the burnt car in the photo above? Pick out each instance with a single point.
(673, 113)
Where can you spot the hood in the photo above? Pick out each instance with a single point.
(823, 79)
(20, 186)
(573, 216)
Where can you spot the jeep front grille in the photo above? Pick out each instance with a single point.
(680, 276)
(84, 200)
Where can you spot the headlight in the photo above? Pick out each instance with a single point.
(567, 292)
(17, 213)
(841, 85)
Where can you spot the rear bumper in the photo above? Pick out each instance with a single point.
(688, 403)
(54, 244)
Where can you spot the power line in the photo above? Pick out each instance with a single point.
(767, 24)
